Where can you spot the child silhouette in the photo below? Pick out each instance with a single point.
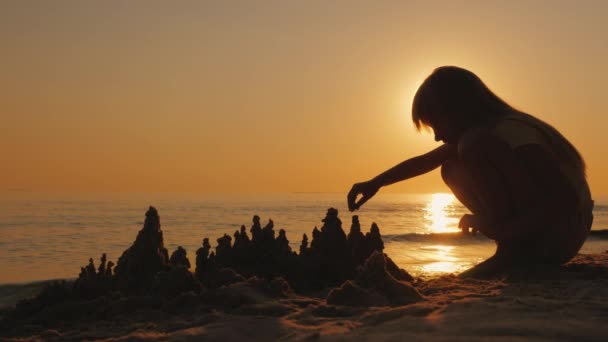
(523, 182)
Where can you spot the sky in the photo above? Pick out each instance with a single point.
(273, 96)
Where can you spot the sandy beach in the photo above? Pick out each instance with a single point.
(338, 287)
(569, 303)
(324, 170)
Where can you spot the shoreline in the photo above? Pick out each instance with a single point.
(566, 304)
(595, 237)
(339, 286)
(12, 293)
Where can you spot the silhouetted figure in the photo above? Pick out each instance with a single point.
(522, 180)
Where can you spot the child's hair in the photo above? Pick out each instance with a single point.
(461, 95)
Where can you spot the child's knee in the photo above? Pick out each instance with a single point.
(455, 173)
(450, 171)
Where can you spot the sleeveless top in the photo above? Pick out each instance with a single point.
(519, 129)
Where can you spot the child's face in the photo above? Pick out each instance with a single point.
(446, 130)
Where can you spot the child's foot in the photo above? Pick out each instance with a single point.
(490, 268)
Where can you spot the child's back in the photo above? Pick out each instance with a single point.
(520, 129)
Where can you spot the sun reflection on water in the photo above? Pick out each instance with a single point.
(448, 263)
(436, 214)
(439, 221)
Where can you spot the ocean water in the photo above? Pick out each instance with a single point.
(49, 237)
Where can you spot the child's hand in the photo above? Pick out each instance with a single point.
(468, 221)
(366, 189)
(476, 223)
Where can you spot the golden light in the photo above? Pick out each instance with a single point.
(448, 263)
(436, 214)
(411, 90)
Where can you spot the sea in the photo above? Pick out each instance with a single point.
(51, 236)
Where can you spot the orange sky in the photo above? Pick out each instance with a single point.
(273, 96)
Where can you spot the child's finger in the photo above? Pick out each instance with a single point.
(351, 198)
(353, 194)
(362, 201)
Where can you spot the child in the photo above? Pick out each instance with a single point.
(523, 182)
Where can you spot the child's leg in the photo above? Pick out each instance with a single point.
(500, 178)
(457, 178)
(489, 179)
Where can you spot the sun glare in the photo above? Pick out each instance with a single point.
(439, 220)
(448, 263)
(436, 215)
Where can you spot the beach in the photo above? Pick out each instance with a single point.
(303, 170)
(51, 237)
(271, 293)
(568, 303)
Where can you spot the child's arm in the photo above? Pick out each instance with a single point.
(408, 169)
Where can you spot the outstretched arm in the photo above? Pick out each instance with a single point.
(408, 169)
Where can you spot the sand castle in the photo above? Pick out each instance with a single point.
(251, 285)
(329, 259)
(353, 265)
(147, 256)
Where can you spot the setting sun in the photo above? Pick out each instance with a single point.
(291, 170)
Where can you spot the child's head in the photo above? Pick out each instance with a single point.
(452, 100)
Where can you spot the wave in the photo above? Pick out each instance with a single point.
(599, 234)
(437, 237)
(457, 237)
